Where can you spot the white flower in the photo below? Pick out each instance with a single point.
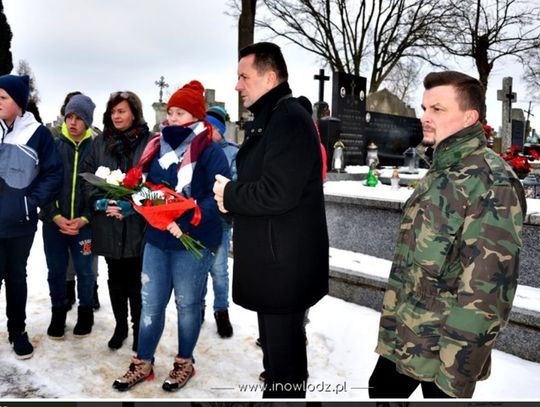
(103, 172)
(115, 177)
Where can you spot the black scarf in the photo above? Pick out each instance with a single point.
(122, 144)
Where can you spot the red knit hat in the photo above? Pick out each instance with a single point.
(190, 97)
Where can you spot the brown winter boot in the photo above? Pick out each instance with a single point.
(139, 370)
(183, 370)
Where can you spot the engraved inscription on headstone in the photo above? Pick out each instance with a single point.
(392, 135)
(349, 105)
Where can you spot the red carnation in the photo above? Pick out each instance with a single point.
(133, 178)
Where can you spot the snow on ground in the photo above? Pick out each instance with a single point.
(526, 297)
(341, 336)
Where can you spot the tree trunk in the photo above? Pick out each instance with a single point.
(246, 28)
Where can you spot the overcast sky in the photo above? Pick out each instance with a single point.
(99, 46)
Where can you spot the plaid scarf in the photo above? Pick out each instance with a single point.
(188, 143)
(122, 144)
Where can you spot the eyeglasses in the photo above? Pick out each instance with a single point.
(122, 94)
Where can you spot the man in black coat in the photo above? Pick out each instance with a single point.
(280, 236)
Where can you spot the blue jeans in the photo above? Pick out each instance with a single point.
(220, 273)
(14, 254)
(57, 247)
(164, 270)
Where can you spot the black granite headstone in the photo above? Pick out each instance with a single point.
(329, 129)
(349, 105)
(393, 135)
(518, 132)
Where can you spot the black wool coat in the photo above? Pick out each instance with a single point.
(280, 238)
(112, 237)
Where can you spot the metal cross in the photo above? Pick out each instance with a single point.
(161, 84)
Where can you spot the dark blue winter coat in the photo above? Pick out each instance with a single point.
(211, 162)
(30, 174)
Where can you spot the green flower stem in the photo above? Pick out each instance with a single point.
(192, 246)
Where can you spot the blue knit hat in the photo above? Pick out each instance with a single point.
(83, 107)
(18, 87)
(217, 116)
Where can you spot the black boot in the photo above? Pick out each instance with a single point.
(58, 323)
(70, 294)
(135, 306)
(119, 303)
(224, 327)
(85, 321)
(97, 305)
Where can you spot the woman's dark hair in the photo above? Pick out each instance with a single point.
(135, 105)
(471, 94)
(268, 57)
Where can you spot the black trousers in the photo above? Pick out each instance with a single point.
(284, 354)
(14, 254)
(387, 383)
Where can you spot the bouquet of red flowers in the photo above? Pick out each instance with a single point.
(157, 204)
(519, 163)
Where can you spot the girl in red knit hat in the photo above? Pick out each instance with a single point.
(184, 158)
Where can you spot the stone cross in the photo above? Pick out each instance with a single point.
(321, 77)
(506, 96)
(161, 84)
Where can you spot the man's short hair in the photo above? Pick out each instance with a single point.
(268, 57)
(471, 93)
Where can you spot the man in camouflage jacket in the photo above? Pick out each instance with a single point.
(455, 268)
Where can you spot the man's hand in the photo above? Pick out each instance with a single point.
(219, 188)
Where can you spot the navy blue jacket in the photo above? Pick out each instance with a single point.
(30, 174)
(211, 162)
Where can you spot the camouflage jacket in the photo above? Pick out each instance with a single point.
(455, 267)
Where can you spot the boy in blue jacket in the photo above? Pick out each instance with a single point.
(30, 176)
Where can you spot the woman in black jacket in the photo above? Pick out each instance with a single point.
(117, 232)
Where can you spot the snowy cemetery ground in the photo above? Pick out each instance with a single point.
(341, 336)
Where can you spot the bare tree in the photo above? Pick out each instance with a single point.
(531, 75)
(244, 10)
(6, 61)
(488, 31)
(23, 68)
(402, 81)
(361, 36)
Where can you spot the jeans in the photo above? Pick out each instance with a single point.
(58, 247)
(164, 270)
(220, 273)
(14, 254)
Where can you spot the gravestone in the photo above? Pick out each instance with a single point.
(384, 101)
(518, 128)
(506, 96)
(349, 106)
(393, 135)
(321, 77)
